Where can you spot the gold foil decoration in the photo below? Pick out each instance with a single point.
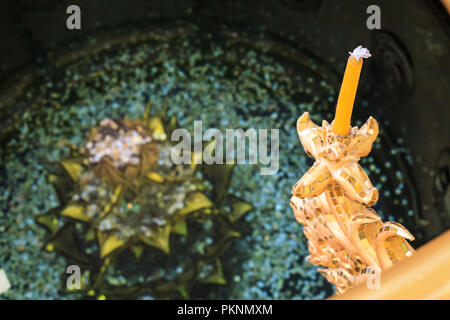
(121, 150)
(332, 201)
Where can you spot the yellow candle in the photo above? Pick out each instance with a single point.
(341, 123)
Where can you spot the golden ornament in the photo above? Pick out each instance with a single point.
(332, 200)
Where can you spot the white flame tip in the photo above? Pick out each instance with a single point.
(360, 52)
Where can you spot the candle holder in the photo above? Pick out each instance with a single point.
(332, 201)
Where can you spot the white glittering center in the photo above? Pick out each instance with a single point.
(123, 149)
(360, 52)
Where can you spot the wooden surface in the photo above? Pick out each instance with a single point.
(426, 275)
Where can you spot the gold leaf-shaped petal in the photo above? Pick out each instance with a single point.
(171, 289)
(137, 251)
(159, 238)
(72, 167)
(156, 177)
(49, 220)
(64, 241)
(366, 137)
(75, 211)
(63, 185)
(157, 129)
(313, 182)
(90, 235)
(180, 227)
(106, 209)
(109, 243)
(390, 244)
(304, 122)
(311, 135)
(239, 209)
(196, 201)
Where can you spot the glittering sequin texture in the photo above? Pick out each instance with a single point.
(332, 201)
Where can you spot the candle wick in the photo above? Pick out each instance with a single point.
(360, 52)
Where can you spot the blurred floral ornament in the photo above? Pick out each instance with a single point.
(331, 200)
(122, 195)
